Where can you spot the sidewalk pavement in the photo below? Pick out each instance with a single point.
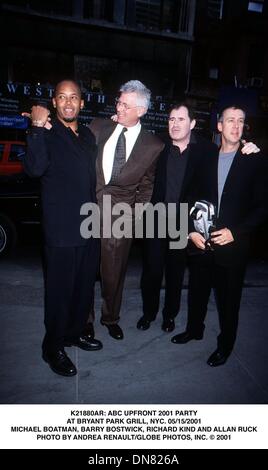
(144, 368)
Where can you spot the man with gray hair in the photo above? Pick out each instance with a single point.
(125, 170)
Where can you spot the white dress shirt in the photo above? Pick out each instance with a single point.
(131, 136)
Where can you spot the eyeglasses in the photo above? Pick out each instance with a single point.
(125, 106)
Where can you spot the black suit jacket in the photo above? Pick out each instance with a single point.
(243, 204)
(66, 165)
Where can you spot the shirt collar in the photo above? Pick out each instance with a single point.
(131, 130)
(191, 141)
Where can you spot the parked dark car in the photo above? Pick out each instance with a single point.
(19, 205)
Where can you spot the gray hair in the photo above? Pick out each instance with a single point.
(143, 93)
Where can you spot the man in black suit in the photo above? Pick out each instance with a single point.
(237, 185)
(177, 171)
(64, 157)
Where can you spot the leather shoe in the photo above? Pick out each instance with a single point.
(89, 330)
(60, 363)
(218, 358)
(168, 325)
(143, 324)
(87, 343)
(114, 331)
(185, 337)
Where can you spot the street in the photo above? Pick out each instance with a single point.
(144, 368)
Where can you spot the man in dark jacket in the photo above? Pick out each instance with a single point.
(64, 157)
(237, 186)
(177, 170)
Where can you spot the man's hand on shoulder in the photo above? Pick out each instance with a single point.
(114, 118)
(249, 147)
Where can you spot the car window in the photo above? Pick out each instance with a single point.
(17, 153)
(1, 151)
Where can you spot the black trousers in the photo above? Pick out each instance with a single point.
(205, 274)
(159, 259)
(70, 274)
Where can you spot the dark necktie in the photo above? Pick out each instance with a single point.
(119, 156)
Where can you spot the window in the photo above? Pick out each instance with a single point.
(164, 15)
(256, 60)
(170, 16)
(148, 13)
(17, 3)
(99, 9)
(215, 8)
(256, 6)
(51, 7)
(17, 153)
(213, 73)
(214, 63)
